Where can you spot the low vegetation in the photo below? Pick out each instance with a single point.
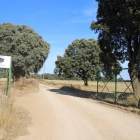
(13, 120)
(77, 88)
(24, 86)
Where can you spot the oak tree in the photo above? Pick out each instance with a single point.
(80, 59)
(27, 48)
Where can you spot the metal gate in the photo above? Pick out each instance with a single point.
(113, 87)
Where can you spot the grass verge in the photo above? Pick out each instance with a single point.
(14, 120)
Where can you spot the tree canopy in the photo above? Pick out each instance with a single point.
(80, 59)
(83, 58)
(49, 76)
(27, 48)
(118, 24)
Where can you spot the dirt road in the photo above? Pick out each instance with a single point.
(56, 115)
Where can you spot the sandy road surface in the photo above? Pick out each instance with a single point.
(58, 116)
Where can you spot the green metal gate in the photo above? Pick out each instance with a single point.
(112, 87)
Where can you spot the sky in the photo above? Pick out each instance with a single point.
(59, 22)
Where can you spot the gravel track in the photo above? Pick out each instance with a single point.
(56, 115)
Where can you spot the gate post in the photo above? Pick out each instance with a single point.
(97, 82)
(9, 78)
(10, 71)
(115, 86)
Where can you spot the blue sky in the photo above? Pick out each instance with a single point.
(59, 22)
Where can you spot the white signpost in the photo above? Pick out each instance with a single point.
(6, 62)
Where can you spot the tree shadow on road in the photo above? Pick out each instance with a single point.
(71, 91)
(105, 97)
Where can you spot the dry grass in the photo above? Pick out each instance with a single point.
(24, 86)
(71, 83)
(92, 85)
(130, 100)
(78, 88)
(13, 121)
(6, 114)
(3, 88)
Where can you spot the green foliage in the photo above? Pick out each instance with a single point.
(118, 24)
(120, 80)
(81, 59)
(49, 76)
(37, 76)
(119, 29)
(28, 49)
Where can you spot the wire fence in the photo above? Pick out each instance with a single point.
(4, 74)
(115, 86)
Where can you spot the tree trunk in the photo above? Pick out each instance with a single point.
(133, 73)
(134, 59)
(86, 82)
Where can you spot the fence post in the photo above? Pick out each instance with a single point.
(10, 72)
(115, 86)
(97, 82)
(139, 103)
(7, 86)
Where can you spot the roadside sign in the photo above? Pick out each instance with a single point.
(5, 61)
